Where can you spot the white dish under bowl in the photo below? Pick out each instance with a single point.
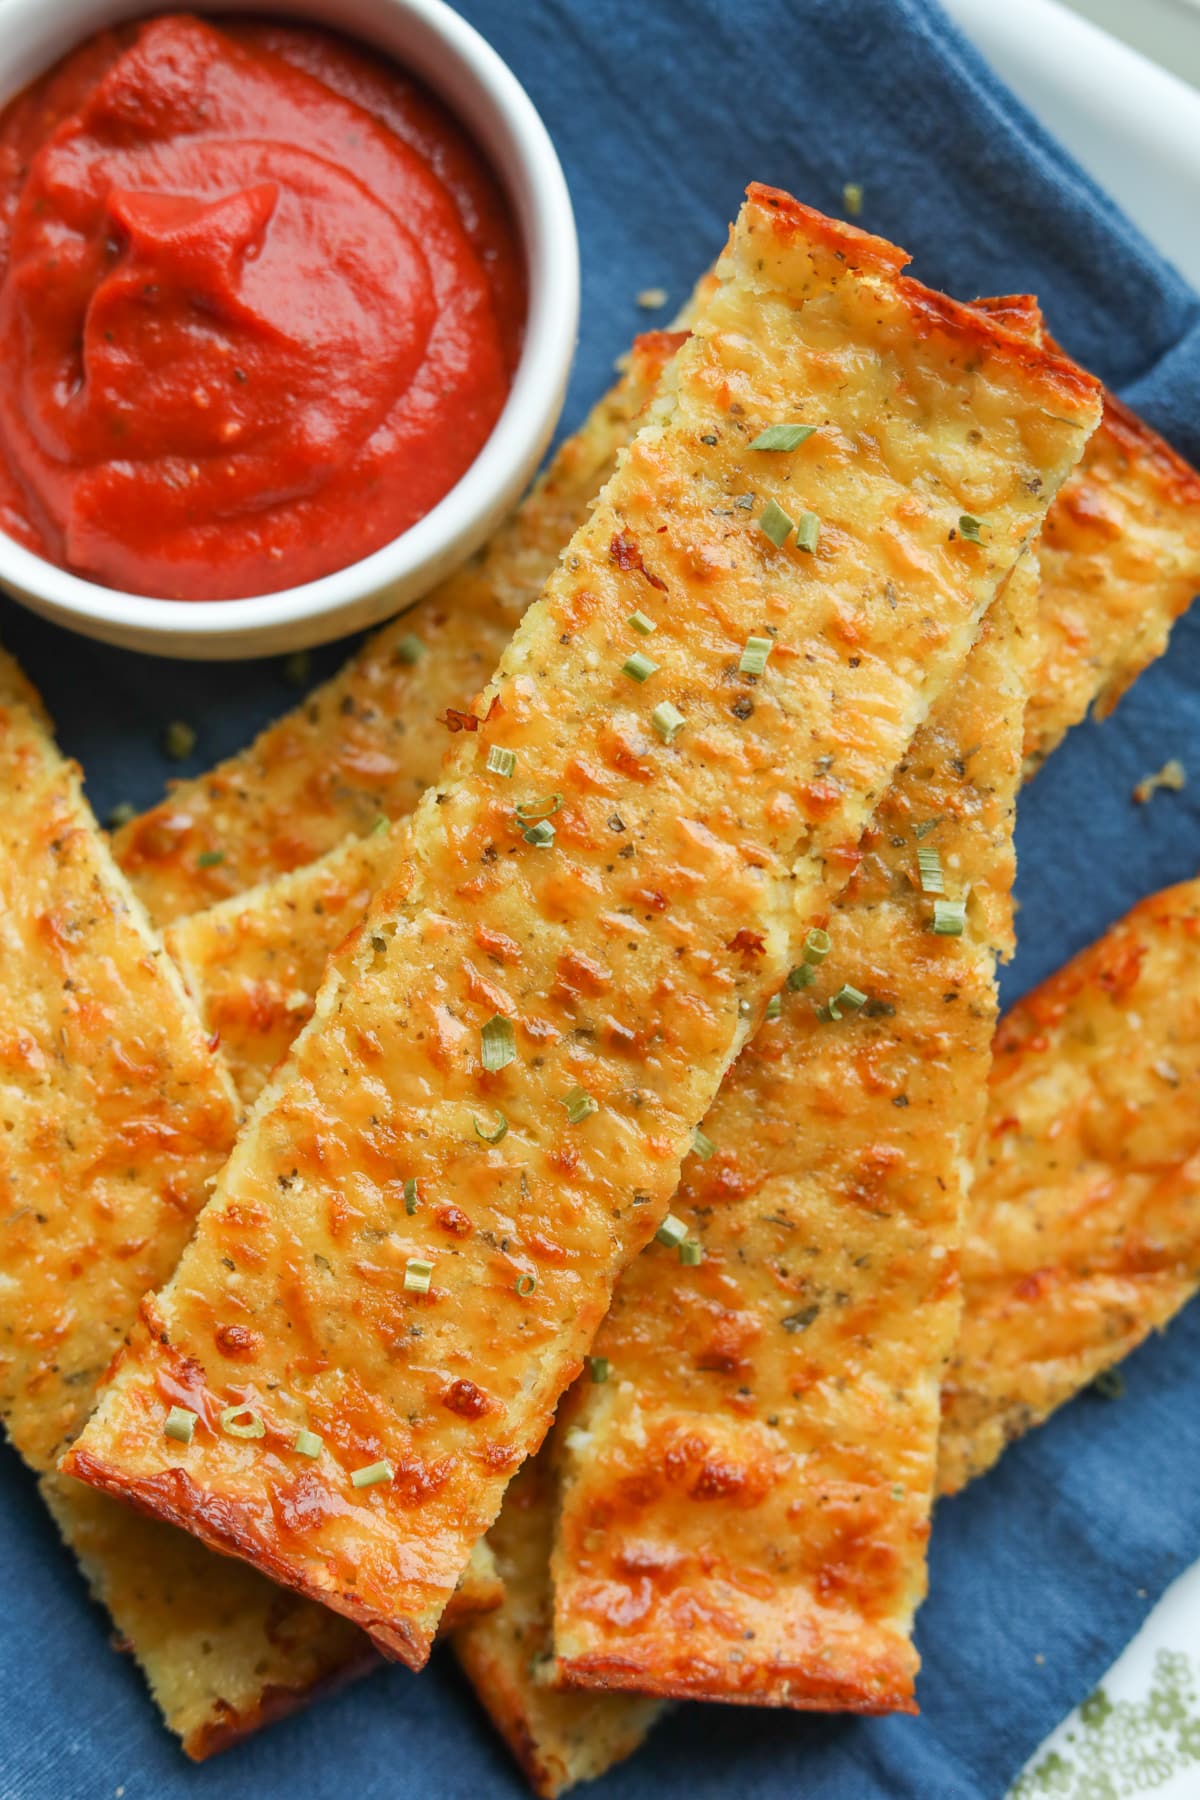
(428, 38)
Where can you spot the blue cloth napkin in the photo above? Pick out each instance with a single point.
(662, 112)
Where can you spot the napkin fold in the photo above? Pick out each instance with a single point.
(1041, 1572)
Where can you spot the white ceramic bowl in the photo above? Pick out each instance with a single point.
(427, 37)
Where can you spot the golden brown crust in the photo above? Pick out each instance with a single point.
(1084, 1228)
(557, 1738)
(117, 1112)
(741, 836)
(1120, 563)
(746, 1514)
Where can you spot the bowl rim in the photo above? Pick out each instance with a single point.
(516, 142)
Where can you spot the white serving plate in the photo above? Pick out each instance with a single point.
(1131, 123)
(1136, 127)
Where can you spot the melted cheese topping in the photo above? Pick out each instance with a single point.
(1120, 562)
(635, 977)
(1084, 1228)
(557, 1738)
(747, 1517)
(117, 1113)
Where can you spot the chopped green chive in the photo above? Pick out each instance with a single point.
(410, 649)
(775, 524)
(501, 762)
(808, 532)
(691, 1253)
(774, 1007)
(802, 976)
(782, 437)
(410, 1196)
(242, 1422)
(417, 1275)
(180, 1424)
(671, 1232)
(210, 859)
(1109, 1384)
(120, 815)
(754, 656)
(851, 998)
(580, 1105)
(494, 1136)
(598, 1368)
(544, 808)
(949, 917)
(929, 867)
(308, 1443)
(668, 721)
(373, 1474)
(852, 198)
(541, 833)
(817, 945)
(179, 740)
(297, 668)
(639, 667)
(525, 1284)
(381, 825)
(641, 623)
(498, 1043)
(702, 1145)
(970, 528)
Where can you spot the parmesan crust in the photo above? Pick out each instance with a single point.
(225, 1651)
(557, 1738)
(1120, 562)
(1084, 1229)
(634, 978)
(780, 1399)
(117, 1112)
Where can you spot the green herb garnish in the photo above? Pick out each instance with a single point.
(949, 917)
(544, 808)
(373, 1474)
(179, 740)
(121, 814)
(540, 833)
(501, 762)
(817, 945)
(308, 1443)
(580, 1105)
(410, 1196)
(180, 1424)
(852, 198)
(702, 1145)
(242, 1422)
(525, 1284)
(690, 1253)
(852, 998)
(668, 721)
(417, 1275)
(210, 859)
(754, 656)
(970, 528)
(802, 976)
(491, 1137)
(641, 623)
(671, 1232)
(774, 1008)
(775, 524)
(598, 1368)
(929, 867)
(639, 667)
(410, 649)
(782, 437)
(498, 1043)
(808, 532)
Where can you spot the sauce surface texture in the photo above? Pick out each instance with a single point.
(260, 303)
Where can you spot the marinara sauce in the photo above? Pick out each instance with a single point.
(261, 299)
